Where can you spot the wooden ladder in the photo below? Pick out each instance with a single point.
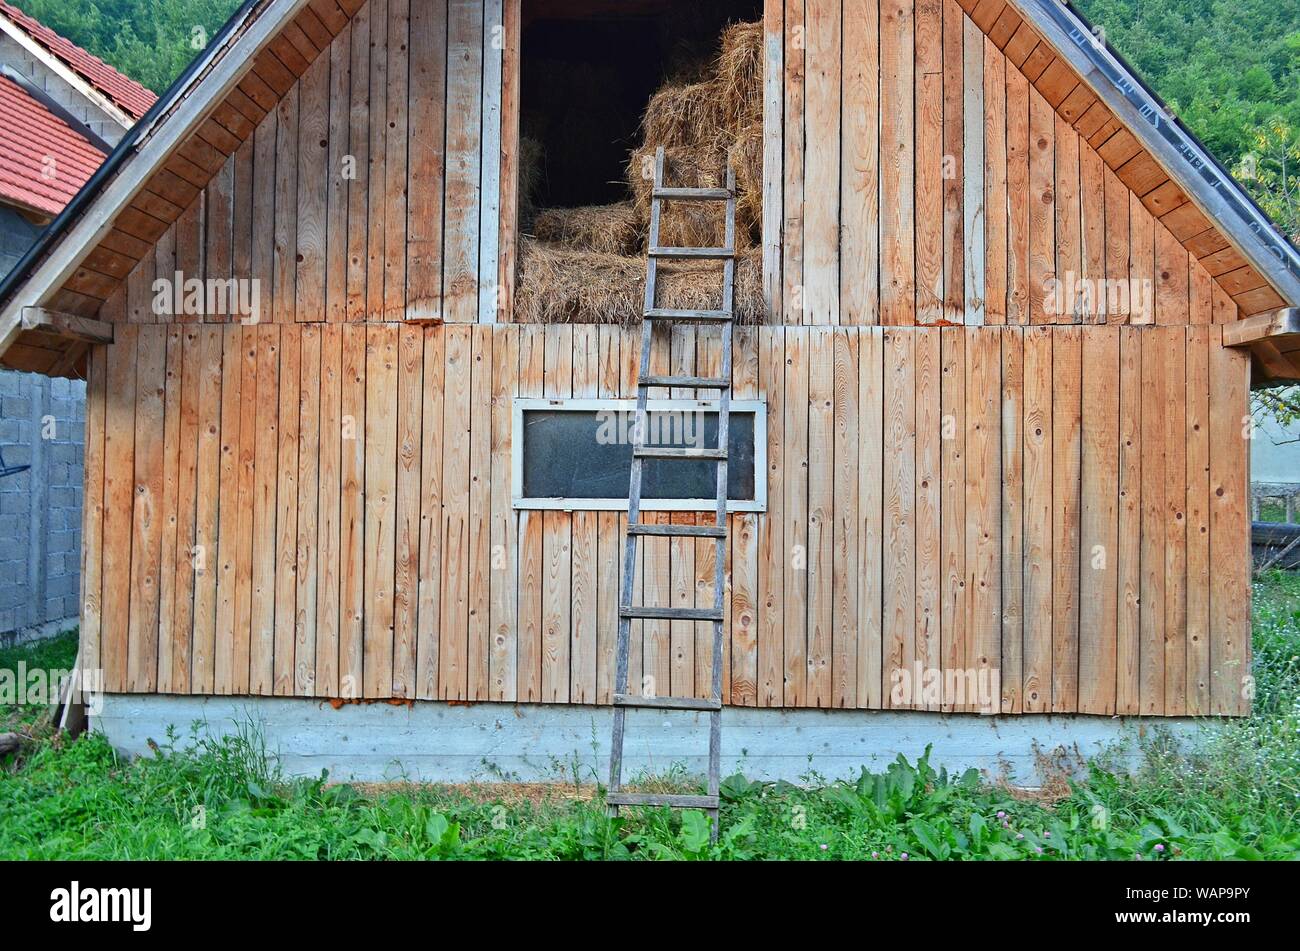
(627, 611)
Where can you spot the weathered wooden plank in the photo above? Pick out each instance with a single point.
(954, 138)
(870, 616)
(996, 208)
(821, 470)
(284, 219)
(897, 165)
(310, 477)
(508, 171)
(92, 514)
(1099, 521)
(792, 239)
(1141, 263)
(771, 524)
(1069, 232)
(381, 464)
(1038, 459)
(480, 514)
(313, 191)
(228, 538)
(147, 515)
(899, 526)
(1042, 213)
(928, 372)
(1067, 430)
(504, 594)
(173, 640)
(375, 220)
(744, 546)
(531, 383)
(286, 512)
(930, 161)
(1013, 514)
(395, 160)
(431, 515)
(1152, 604)
(352, 513)
(265, 480)
(557, 547)
(1092, 204)
(1173, 343)
(453, 629)
(953, 620)
(1129, 553)
(119, 492)
(426, 137)
(974, 119)
(406, 561)
(983, 517)
(1197, 435)
(493, 41)
(795, 452)
(845, 632)
(774, 138)
(460, 285)
(325, 674)
(1019, 198)
(337, 176)
(359, 149)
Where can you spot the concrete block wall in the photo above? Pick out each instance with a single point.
(42, 424)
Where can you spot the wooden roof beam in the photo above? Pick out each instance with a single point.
(1250, 330)
(68, 326)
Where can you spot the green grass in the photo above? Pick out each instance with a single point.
(1237, 796)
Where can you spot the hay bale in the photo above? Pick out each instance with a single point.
(746, 155)
(562, 285)
(683, 114)
(605, 229)
(740, 73)
(682, 223)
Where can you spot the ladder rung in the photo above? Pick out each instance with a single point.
(666, 703)
(668, 313)
(677, 452)
(703, 382)
(684, 531)
(661, 799)
(693, 194)
(670, 614)
(697, 253)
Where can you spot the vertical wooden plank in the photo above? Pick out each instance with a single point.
(173, 458)
(1042, 214)
(453, 629)
(930, 162)
(953, 619)
(821, 514)
(899, 529)
(196, 499)
(336, 197)
(352, 513)
(480, 513)
(329, 425)
(744, 543)
(795, 510)
(1229, 531)
(508, 167)
(1172, 279)
(284, 222)
(773, 142)
(375, 222)
(381, 427)
(241, 551)
(822, 157)
(1198, 520)
(429, 616)
(1066, 481)
(1099, 521)
(954, 142)
(406, 564)
(897, 164)
(313, 190)
(771, 524)
(532, 351)
(147, 511)
(973, 168)
(928, 371)
(464, 153)
(359, 148)
(585, 613)
(1117, 246)
(983, 516)
(426, 138)
(1129, 554)
(1038, 522)
(227, 540)
(218, 207)
(845, 633)
(1174, 345)
(490, 199)
(1069, 239)
(503, 609)
(1013, 515)
(793, 300)
(557, 544)
(996, 209)
(286, 512)
(1019, 198)
(266, 446)
(871, 525)
(395, 161)
(1141, 267)
(1092, 203)
(207, 492)
(609, 564)
(92, 513)
(684, 360)
(1152, 643)
(119, 492)
(306, 554)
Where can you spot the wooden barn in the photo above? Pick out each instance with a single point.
(351, 304)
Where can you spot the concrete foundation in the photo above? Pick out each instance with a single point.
(436, 742)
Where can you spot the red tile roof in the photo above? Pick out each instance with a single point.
(43, 161)
(127, 94)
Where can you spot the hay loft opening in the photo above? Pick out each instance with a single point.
(603, 85)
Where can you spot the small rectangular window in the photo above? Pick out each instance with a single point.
(577, 454)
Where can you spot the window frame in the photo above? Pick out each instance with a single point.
(523, 404)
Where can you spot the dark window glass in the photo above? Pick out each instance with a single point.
(587, 454)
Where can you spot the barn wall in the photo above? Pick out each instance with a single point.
(324, 510)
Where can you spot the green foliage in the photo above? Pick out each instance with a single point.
(150, 42)
(1234, 797)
